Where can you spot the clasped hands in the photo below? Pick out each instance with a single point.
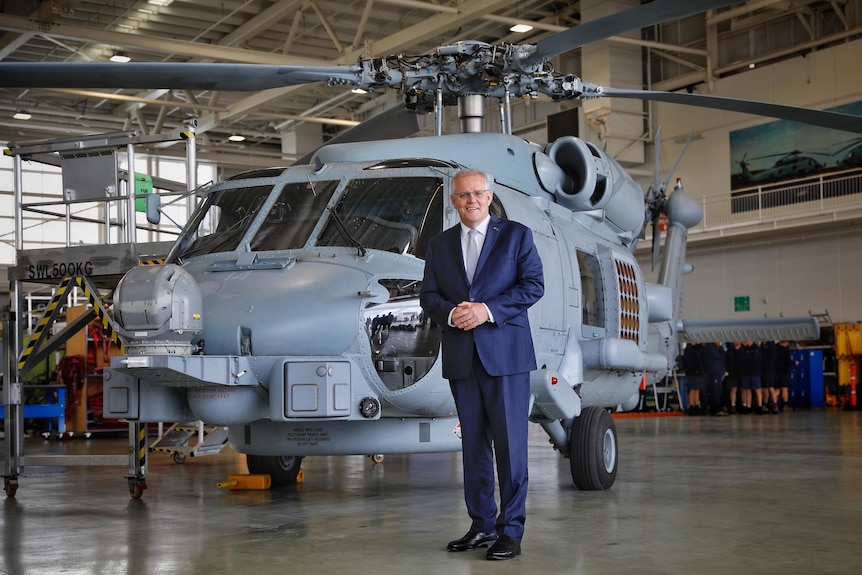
(469, 315)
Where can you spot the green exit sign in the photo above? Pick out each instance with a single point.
(741, 303)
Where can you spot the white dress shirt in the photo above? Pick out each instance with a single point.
(482, 228)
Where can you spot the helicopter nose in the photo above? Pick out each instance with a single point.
(310, 309)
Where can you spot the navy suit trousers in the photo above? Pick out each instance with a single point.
(494, 421)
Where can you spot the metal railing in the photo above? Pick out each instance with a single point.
(97, 200)
(829, 193)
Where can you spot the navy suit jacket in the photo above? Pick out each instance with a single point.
(508, 279)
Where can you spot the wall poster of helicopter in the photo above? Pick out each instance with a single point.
(767, 157)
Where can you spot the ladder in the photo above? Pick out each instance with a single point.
(661, 396)
(191, 439)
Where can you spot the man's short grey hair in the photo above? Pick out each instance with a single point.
(489, 181)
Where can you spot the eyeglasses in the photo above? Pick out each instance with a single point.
(475, 194)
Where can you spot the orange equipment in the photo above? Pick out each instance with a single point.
(250, 482)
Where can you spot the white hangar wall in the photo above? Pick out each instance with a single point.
(797, 270)
(789, 276)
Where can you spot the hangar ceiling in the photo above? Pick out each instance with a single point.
(319, 32)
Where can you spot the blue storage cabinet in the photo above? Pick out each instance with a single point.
(806, 385)
(48, 410)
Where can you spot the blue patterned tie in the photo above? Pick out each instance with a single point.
(471, 257)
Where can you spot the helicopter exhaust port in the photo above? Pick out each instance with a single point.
(583, 178)
(580, 180)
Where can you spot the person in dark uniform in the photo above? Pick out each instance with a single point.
(692, 363)
(783, 367)
(733, 379)
(750, 369)
(768, 353)
(714, 368)
(487, 354)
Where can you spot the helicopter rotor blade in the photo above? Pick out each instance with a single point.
(656, 181)
(633, 19)
(792, 153)
(661, 207)
(423, 76)
(678, 160)
(171, 75)
(652, 194)
(656, 201)
(822, 118)
(846, 146)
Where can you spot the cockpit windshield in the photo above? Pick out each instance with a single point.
(396, 214)
(226, 215)
(293, 216)
(221, 221)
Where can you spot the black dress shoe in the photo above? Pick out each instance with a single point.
(472, 540)
(505, 548)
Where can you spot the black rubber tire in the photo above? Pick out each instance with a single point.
(282, 469)
(593, 450)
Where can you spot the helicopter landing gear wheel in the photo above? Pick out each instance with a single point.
(282, 469)
(10, 485)
(593, 450)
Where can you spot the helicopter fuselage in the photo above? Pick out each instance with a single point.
(289, 307)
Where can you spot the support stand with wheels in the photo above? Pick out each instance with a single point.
(137, 459)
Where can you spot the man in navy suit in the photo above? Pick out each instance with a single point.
(487, 353)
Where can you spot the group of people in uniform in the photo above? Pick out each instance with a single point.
(737, 377)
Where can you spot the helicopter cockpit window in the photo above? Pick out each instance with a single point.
(390, 214)
(222, 221)
(293, 216)
(591, 286)
(496, 208)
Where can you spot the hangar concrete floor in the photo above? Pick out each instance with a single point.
(741, 494)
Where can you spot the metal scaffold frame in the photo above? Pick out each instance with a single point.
(82, 161)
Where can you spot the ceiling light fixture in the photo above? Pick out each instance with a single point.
(236, 138)
(22, 115)
(520, 28)
(120, 57)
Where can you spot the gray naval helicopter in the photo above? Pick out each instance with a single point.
(288, 308)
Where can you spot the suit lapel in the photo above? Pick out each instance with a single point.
(491, 236)
(453, 245)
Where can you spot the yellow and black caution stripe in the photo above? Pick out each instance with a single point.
(177, 437)
(92, 296)
(153, 262)
(48, 317)
(142, 445)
